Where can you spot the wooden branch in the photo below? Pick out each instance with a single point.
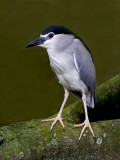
(32, 140)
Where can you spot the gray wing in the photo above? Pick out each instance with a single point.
(84, 64)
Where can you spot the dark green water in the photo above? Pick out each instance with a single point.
(28, 88)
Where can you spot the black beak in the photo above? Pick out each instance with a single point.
(36, 42)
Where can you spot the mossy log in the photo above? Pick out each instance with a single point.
(32, 140)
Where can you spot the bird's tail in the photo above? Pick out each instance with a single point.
(89, 96)
(90, 100)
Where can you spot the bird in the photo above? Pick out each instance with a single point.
(72, 62)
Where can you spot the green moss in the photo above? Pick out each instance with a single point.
(32, 140)
(54, 142)
(48, 144)
(91, 139)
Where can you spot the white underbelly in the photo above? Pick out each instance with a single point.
(71, 81)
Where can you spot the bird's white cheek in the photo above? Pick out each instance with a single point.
(43, 45)
(46, 44)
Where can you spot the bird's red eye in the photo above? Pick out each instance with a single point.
(51, 35)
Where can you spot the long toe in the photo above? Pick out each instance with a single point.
(53, 124)
(58, 118)
(61, 123)
(79, 125)
(47, 120)
(91, 130)
(55, 120)
(85, 124)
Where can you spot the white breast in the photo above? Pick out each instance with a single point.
(64, 67)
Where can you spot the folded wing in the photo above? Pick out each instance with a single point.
(84, 64)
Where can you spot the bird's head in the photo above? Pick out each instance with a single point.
(53, 37)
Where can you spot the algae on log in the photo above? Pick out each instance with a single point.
(107, 105)
(32, 140)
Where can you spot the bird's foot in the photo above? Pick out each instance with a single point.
(86, 124)
(58, 118)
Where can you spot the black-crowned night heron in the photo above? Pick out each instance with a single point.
(71, 61)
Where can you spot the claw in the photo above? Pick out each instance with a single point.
(86, 124)
(58, 118)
